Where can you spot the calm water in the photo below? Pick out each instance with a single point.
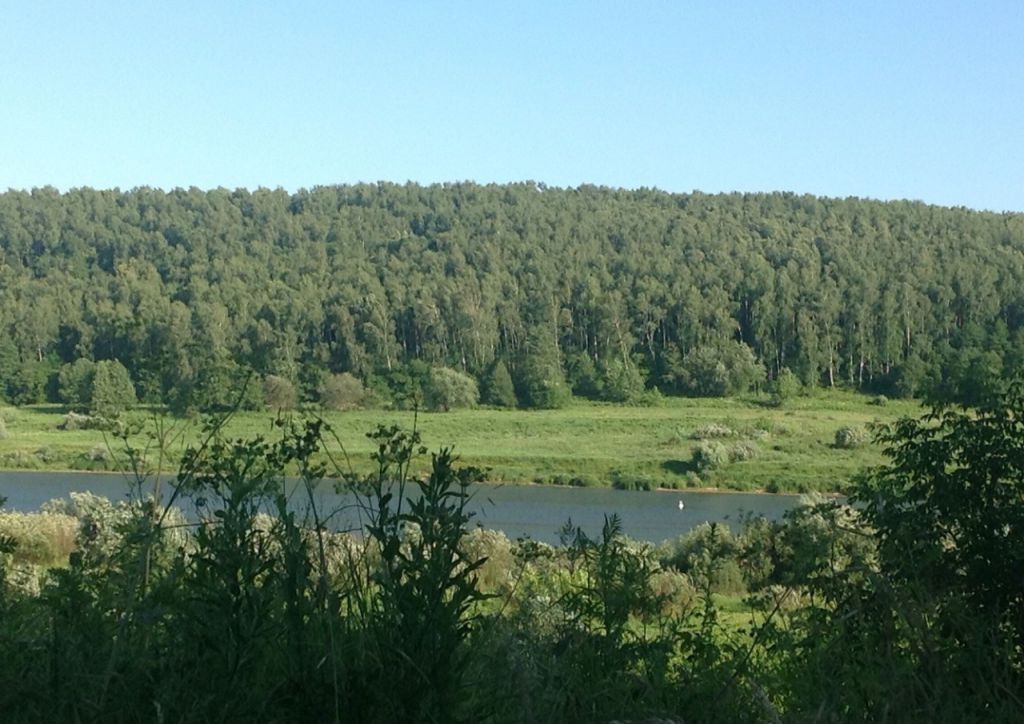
(518, 510)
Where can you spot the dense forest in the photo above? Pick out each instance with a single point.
(600, 291)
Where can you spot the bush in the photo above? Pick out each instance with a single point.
(448, 389)
(712, 431)
(279, 392)
(784, 387)
(342, 392)
(709, 456)
(632, 481)
(43, 539)
(879, 401)
(848, 438)
(495, 549)
(3, 430)
(717, 371)
(743, 450)
(572, 481)
(74, 421)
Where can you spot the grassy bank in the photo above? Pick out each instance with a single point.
(779, 449)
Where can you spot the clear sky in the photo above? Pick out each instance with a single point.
(893, 99)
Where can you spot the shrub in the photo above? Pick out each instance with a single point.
(3, 430)
(624, 481)
(342, 392)
(43, 539)
(73, 421)
(717, 371)
(675, 591)
(743, 450)
(447, 389)
(279, 392)
(879, 400)
(848, 438)
(495, 550)
(712, 431)
(708, 456)
(784, 387)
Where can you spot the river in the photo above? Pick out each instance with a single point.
(519, 510)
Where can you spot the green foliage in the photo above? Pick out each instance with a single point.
(421, 616)
(406, 384)
(905, 606)
(216, 383)
(713, 431)
(927, 617)
(582, 376)
(497, 388)
(848, 438)
(946, 507)
(4, 434)
(727, 369)
(447, 389)
(623, 381)
(75, 384)
(709, 455)
(112, 390)
(784, 387)
(279, 392)
(542, 382)
(371, 278)
(43, 539)
(342, 392)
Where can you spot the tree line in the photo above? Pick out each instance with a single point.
(535, 293)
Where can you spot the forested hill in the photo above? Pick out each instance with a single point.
(607, 287)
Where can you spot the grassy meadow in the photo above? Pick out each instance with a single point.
(788, 448)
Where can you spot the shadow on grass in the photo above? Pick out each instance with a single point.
(679, 467)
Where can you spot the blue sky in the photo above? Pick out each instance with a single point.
(873, 99)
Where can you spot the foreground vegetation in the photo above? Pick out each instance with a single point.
(788, 448)
(907, 606)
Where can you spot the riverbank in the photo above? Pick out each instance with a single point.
(787, 449)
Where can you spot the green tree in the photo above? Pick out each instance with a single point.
(75, 384)
(784, 387)
(947, 505)
(447, 389)
(623, 381)
(112, 389)
(343, 391)
(279, 392)
(931, 622)
(716, 371)
(498, 389)
(542, 381)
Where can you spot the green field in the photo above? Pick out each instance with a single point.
(790, 448)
